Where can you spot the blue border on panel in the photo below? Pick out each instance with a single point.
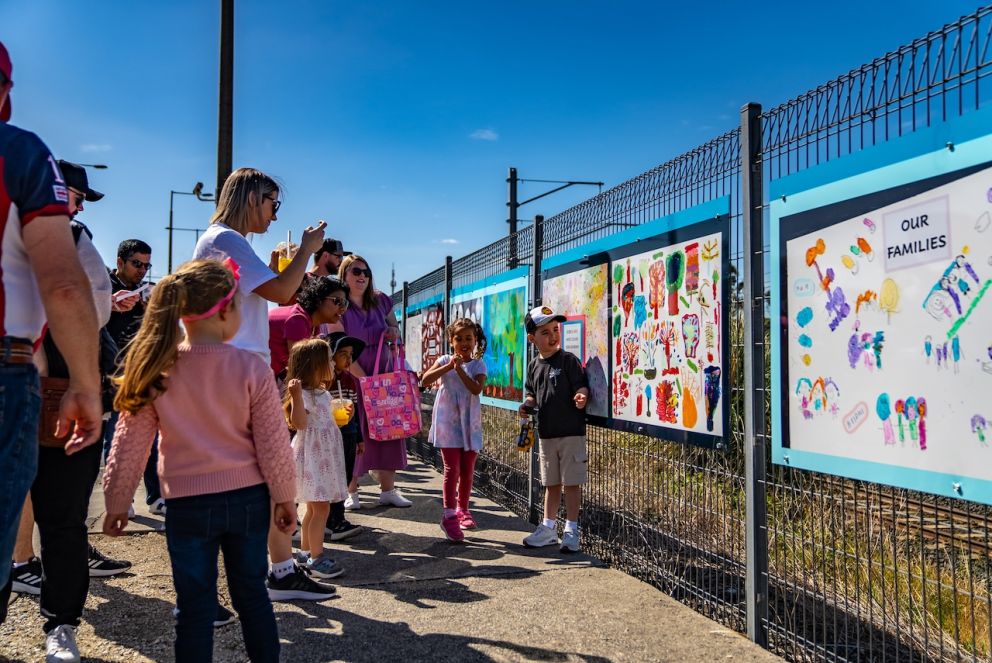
(708, 210)
(491, 280)
(421, 304)
(877, 169)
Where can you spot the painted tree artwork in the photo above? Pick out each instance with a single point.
(499, 307)
(667, 359)
(582, 296)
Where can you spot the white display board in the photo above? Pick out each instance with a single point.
(890, 332)
(414, 341)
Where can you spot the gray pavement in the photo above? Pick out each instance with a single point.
(409, 594)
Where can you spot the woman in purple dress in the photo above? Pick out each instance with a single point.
(370, 318)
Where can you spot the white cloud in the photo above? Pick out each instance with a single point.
(449, 241)
(96, 147)
(484, 134)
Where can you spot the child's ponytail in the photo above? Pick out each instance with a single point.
(480, 341)
(194, 288)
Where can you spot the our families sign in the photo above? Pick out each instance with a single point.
(882, 363)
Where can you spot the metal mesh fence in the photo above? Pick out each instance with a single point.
(856, 571)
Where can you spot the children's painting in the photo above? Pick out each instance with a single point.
(583, 297)
(432, 341)
(499, 305)
(667, 343)
(413, 343)
(886, 340)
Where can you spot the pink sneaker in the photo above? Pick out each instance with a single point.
(452, 529)
(466, 520)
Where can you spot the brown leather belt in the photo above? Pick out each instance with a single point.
(15, 350)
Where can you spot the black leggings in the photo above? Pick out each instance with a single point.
(351, 439)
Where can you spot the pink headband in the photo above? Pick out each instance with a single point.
(236, 271)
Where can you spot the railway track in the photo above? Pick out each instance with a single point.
(938, 524)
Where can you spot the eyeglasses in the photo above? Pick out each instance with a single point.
(340, 302)
(358, 271)
(137, 264)
(275, 204)
(79, 197)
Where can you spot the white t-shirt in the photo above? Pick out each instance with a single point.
(220, 242)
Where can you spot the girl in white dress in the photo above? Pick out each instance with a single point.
(317, 447)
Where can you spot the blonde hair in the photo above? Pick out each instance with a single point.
(480, 336)
(370, 297)
(192, 289)
(242, 189)
(310, 363)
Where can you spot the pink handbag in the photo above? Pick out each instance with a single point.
(391, 400)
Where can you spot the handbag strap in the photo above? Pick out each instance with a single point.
(378, 354)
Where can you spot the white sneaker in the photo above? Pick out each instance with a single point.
(352, 502)
(570, 542)
(394, 498)
(158, 507)
(542, 536)
(60, 645)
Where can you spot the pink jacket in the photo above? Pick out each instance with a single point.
(221, 428)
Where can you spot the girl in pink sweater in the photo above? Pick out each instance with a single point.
(224, 455)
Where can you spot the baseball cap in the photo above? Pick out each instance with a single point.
(75, 177)
(330, 245)
(338, 340)
(7, 69)
(541, 315)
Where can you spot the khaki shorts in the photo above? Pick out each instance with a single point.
(563, 461)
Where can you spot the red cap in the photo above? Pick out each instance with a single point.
(6, 68)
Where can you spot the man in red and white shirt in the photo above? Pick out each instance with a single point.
(40, 280)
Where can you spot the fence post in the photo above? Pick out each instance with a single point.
(534, 497)
(755, 434)
(447, 301)
(406, 300)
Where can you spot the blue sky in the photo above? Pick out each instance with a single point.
(396, 121)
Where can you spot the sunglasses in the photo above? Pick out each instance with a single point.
(358, 271)
(340, 302)
(276, 204)
(137, 264)
(78, 197)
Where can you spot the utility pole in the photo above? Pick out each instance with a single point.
(512, 202)
(225, 105)
(392, 281)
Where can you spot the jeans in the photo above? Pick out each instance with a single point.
(459, 468)
(20, 406)
(350, 439)
(152, 490)
(61, 497)
(197, 528)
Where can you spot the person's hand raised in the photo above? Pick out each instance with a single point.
(295, 387)
(313, 238)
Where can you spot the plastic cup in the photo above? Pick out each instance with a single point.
(284, 262)
(339, 408)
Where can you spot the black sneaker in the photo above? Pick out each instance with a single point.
(343, 530)
(27, 577)
(101, 566)
(223, 618)
(298, 585)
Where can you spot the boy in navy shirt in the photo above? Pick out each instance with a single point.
(556, 384)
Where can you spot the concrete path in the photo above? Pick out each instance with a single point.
(410, 595)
